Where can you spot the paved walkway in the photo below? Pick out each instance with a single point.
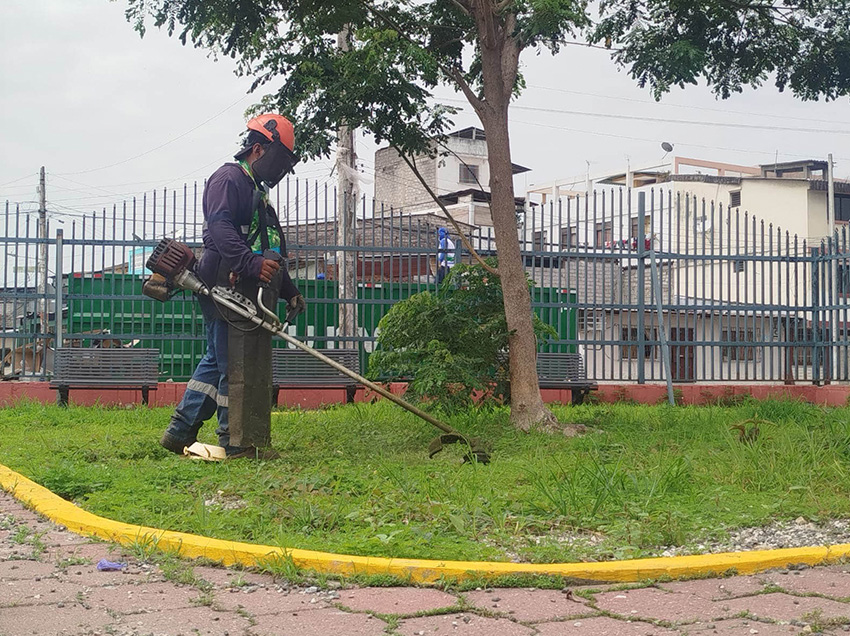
(50, 585)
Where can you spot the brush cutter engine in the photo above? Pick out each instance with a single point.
(174, 262)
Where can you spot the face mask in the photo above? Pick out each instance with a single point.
(275, 164)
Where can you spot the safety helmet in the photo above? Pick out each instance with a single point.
(274, 127)
(277, 135)
(264, 129)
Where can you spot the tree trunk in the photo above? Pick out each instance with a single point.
(499, 59)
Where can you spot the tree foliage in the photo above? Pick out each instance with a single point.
(451, 343)
(803, 45)
(403, 49)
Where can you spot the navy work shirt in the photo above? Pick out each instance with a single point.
(228, 199)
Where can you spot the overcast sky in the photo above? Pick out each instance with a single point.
(111, 115)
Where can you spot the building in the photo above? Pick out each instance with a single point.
(458, 172)
(743, 288)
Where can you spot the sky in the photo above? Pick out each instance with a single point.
(111, 115)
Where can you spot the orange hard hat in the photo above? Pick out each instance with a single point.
(274, 127)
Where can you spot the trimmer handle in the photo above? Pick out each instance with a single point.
(292, 313)
(273, 255)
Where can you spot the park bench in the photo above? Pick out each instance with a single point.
(564, 371)
(75, 368)
(294, 368)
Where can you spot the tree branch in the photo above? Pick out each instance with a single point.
(456, 225)
(464, 6)
(510, 54)
(454, 74)
(476, 102)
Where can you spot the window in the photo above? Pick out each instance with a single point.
(842, 207)
(629, 347)
(735, 351)
(604, 233)
(735, 199)
(633, 230)
(842, 281)
(569, 237)
(468, 173)
(539, 240)
(739, 266)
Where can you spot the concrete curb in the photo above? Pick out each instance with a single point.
(415, 570)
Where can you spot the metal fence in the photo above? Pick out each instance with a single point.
(636, 282)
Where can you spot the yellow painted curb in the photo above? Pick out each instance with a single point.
(415, 570)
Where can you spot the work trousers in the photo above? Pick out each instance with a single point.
(232, 381)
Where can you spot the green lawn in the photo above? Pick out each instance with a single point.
(357, 479)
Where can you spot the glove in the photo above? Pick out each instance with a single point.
(268, 269)
(295, 306)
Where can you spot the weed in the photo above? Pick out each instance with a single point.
(281, 566)
(820, 623)
(204, 599)
(24, 535)
(623, 396)
(72, 561)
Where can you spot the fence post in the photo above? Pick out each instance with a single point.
(57, 312)
(816, 344)
(641, 290)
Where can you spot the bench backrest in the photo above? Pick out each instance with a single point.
(106, 367)
(561, 366)
(293, 366)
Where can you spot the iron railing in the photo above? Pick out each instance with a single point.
(623, 277)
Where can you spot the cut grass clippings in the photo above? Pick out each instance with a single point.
(356, 479)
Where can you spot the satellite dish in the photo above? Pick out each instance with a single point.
(666, 146)
(702, 225)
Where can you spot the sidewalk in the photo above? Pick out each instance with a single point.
(49, 585)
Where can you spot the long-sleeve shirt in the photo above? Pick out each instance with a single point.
(228, 210)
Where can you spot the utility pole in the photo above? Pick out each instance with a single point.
(41, 268)
(347, 197)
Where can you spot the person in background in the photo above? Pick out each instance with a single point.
(445, 254)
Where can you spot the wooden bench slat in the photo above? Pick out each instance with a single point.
(104, 368)
(292, 368)
(564, 371)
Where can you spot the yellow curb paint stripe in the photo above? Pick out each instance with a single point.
(415, 570)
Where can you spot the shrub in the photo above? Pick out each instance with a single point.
(450, 346)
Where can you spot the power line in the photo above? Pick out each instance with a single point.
(667, 120)
(26, 176)
(170, 141)
(616, 136)
(713, 110)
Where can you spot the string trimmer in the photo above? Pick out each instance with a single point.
(172, 264)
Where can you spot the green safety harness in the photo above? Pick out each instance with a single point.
(264, 232)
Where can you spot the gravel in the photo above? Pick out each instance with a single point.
(799, 533)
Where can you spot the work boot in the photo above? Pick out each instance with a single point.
(175, 444)
(252, 452)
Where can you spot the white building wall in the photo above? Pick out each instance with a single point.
(471, 151)
(784, 203)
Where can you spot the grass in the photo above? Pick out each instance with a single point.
(357, 479)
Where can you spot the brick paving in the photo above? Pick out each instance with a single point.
(50, 586)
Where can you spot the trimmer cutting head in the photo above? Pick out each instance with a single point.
(475, 451)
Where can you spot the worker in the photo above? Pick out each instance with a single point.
(244, 248)
(445, 254)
